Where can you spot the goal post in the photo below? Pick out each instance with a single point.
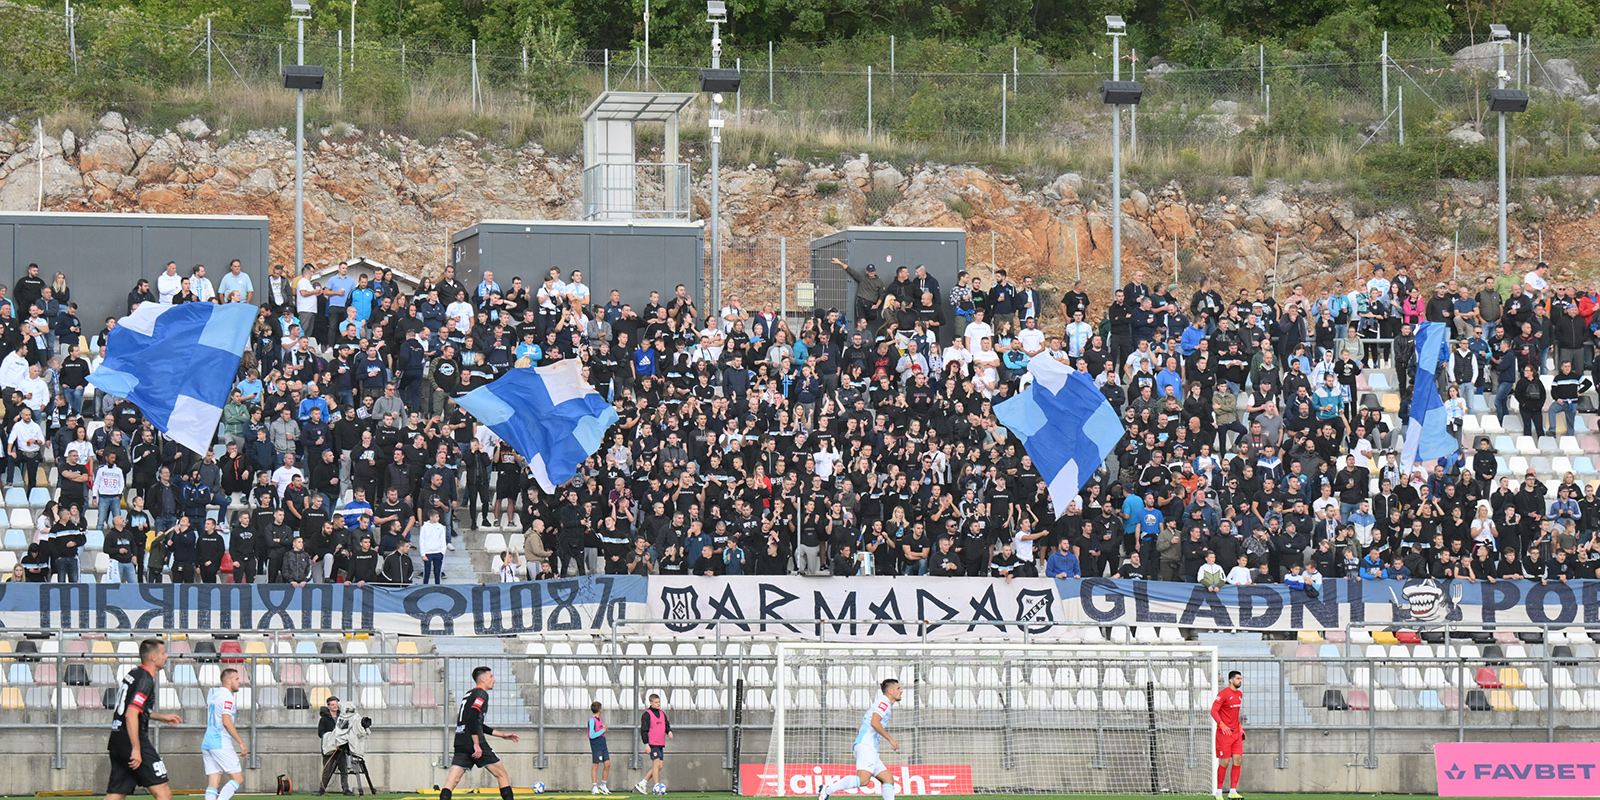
(992, 718)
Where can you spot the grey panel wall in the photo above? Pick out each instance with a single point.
(103, 255)
(635, 260)
(944, 252)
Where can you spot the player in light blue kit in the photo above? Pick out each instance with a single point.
(868, 763)
(217, 748)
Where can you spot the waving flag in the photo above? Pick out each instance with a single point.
(177, 364)
(1066, 425)
(548, 414)
(1427, 435)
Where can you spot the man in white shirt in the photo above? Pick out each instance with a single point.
(306, 293)
(109, 483)
(236, 281)
(201, 285)
(168, 283)
(461, 315)
(14, 369)
(978, 330)
(1031, 337)
(1379, 281)
(1078, 334)
(731, 313)
(284, 475)
(1537, 281)
(35, 392)
(577, 292)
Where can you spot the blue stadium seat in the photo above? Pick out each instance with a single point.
(16, 539)
(16, 496)
(39, 497)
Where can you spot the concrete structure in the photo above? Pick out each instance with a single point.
(617, 185)
(942, 250)
(636, 258)
(103, 255)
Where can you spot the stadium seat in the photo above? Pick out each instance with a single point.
(1477, 700)
(1360, 637)
(1337, 678)
(1407, 701)
(1114, 678)
(184, 675)
(1570, 700)
(1384, 637)
(21, 518)
(1525, 700)
(319, 696)
(372, 698)
(1487, 679)
(1333, 700)
(369, 675)
(16, 540)
(1335, 637)
(291, 674)
(1408, 637)
(192, 697)
(1591, 699)
(1309, 637)
(494, 544)
(1376, 652)
(1411, 678)
(1087, 700)
(45, 674)
(1382, 700)
(1328, 651)
(75, 674)
(39, 497)
(1499, 700)
(423, 697)
(332, 652)
(1511, 678)
(1360, 677)
(295, 699)
(406, 647)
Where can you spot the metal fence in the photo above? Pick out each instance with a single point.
(998, 96)
(1533, 689)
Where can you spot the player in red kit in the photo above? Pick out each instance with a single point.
(1230, 734)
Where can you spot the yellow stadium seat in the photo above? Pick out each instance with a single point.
(1391, 403)
(11, 698)
(1384, 637)
(1511, 678)
(1311, 637)
(1500, 700)
(320, 695)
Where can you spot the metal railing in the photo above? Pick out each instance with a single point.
(639, 190)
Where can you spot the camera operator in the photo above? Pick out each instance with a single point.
(343, 745)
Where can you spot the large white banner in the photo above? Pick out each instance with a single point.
(880, 607)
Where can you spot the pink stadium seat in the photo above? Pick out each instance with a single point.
(1451, 698)
(1335, 637)
(400, 674)
(1305, 651)
(422, 697)
(45, 674)
(291, 675)
(1358, 700)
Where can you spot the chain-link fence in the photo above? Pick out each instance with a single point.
(1263, 113)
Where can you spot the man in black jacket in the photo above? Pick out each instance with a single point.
(209, 550)
(276, 538)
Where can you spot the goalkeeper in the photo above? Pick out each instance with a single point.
(868, 762)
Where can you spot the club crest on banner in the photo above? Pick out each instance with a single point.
(681, 607)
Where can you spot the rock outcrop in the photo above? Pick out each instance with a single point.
(402, 199)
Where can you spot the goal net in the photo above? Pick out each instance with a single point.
(994, 718)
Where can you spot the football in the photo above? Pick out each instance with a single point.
(538, 788)
(660, 788)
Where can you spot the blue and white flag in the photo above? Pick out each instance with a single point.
(1427, 434)
(177, 364)
(1066, 425)
(550, 415)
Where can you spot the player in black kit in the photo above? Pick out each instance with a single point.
(134, 760)
(471, 747)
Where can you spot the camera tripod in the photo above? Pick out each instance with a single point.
(346, 764)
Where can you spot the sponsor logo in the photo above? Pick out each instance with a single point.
(1564, 769)
(807, 780)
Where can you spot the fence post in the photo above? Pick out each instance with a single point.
(1385, 59)
(1003, 111)
(783, 277)
(869, 102)
(738, 94)
(208, 53)
(340, 73)
(1400, 100)
(474, 88)
(769, 73)
(607, 67)
(1261, 68)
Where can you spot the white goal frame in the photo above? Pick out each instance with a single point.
(1107, 651)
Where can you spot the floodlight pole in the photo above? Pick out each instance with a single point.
(716, 171)
(1116, 165)
(300, 150)
(1500, 77)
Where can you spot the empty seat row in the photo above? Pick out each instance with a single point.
(1528, 700)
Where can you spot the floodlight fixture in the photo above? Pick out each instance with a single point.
(1511, 101)
(719, 80)
(716, 11)
(299, 9)
(1121, 93)
(1115, 25)
(1499, 31)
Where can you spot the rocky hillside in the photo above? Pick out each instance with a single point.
(402, 199)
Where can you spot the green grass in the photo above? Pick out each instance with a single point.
(621, 793)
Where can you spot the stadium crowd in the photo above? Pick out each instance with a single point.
(849, 442)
